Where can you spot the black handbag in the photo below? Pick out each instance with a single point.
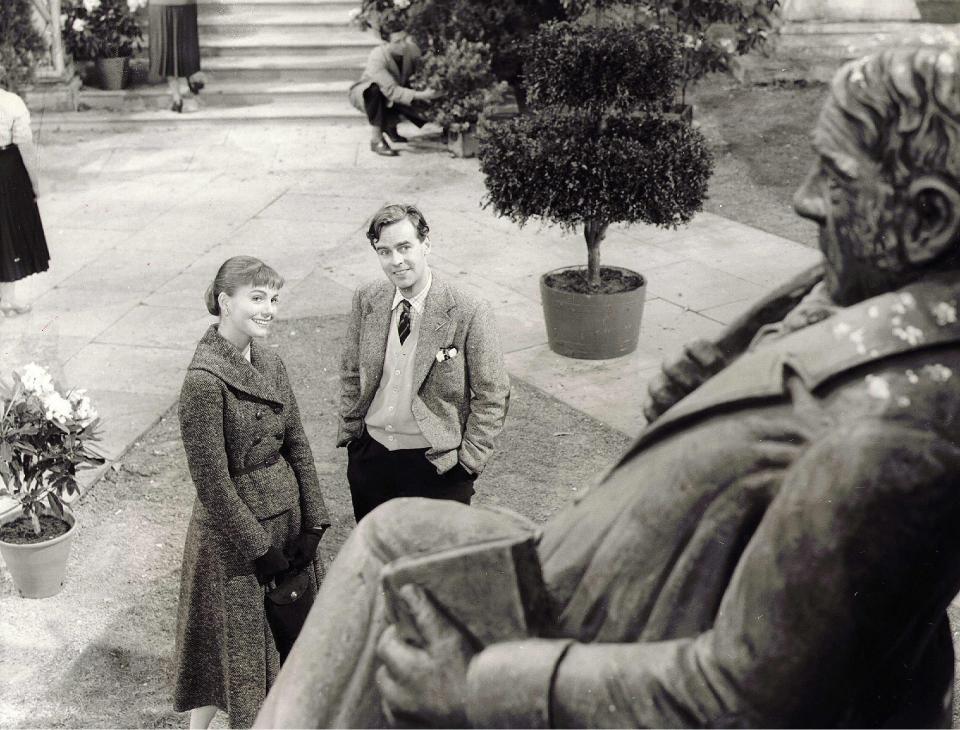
(287, 603)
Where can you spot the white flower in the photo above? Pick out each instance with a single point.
(91, 5)
(401, 4)
(938, 373)
(83, 411)
(945, 313)
(910, 334)
(877, 387)
(79, 25)
(135, 5)
(56, 407)
(36, 379)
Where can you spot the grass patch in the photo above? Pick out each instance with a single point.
(760, 136)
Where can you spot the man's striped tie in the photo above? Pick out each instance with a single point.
(403, 322)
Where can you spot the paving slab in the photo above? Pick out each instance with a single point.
(138, 221)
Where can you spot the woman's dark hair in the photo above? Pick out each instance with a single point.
(239, 271)
(390, 214)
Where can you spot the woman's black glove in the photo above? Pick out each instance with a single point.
(269, 564)
(304, 548)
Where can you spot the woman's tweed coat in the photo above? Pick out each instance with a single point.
(234, 414)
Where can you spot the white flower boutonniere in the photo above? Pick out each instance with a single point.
(447, 353)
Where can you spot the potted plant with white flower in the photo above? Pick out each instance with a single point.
(45, 437)
(105, 32)
(462, 75)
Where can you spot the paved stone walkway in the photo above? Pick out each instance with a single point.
(138, 222)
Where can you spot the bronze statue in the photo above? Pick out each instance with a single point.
(778, 548)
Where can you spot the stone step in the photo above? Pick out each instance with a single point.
(816, 49)
(314, 41)
(284, 67)
(808, 28)
(267, 114)
(213, 17)
(232, 94)
(298, 3)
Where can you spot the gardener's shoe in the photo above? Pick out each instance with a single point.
(383, 149)
(395, 136)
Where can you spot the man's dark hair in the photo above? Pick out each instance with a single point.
(391, 25)
(394, 213)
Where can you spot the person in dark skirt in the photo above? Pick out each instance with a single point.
(23, 246)
(175, 46)
(259, 509)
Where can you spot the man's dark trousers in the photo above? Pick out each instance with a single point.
(384, 117)
(377, 475)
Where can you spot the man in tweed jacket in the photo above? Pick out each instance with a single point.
(423, 389)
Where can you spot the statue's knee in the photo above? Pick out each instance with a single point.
(409, 524)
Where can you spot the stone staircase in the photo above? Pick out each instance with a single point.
(264, 60)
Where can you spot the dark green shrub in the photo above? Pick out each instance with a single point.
(20, 44)
(573, 166)
(501, 24)
(713, 33)
(379, 13)
(573, 65)
(462, 75)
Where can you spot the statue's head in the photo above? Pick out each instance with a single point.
(885, 189)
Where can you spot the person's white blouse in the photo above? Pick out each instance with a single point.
(14, 120)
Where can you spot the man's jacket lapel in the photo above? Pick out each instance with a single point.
(375, 330)
(434, 330)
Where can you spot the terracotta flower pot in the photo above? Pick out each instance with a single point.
(113, 72)
(39, 569)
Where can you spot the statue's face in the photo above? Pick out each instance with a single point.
(855, 209)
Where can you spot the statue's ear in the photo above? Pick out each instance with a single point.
(932, 221)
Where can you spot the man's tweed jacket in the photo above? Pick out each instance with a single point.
(392, 78)
(460, 403)
(234, 414)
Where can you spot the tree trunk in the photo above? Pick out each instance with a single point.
(594, 231)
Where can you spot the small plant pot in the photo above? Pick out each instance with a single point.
(39, 569)
(592, 326)
(113, 72)
(463, 144)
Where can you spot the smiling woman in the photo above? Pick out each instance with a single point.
(245, 295)
(259, 513)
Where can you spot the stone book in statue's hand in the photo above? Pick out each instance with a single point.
(492, 590)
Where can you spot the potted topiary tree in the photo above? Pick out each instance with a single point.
(105, 32)
(598, 148)
(462, 75)
(45, 438)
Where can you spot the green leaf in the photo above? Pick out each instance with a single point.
(55, 504)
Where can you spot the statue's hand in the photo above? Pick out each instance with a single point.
(699, 361)
(425, 685)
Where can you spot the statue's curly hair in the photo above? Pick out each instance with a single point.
(904, 107)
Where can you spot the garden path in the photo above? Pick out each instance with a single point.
(139, 220)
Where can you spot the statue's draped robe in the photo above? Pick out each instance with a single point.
(778, 549)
